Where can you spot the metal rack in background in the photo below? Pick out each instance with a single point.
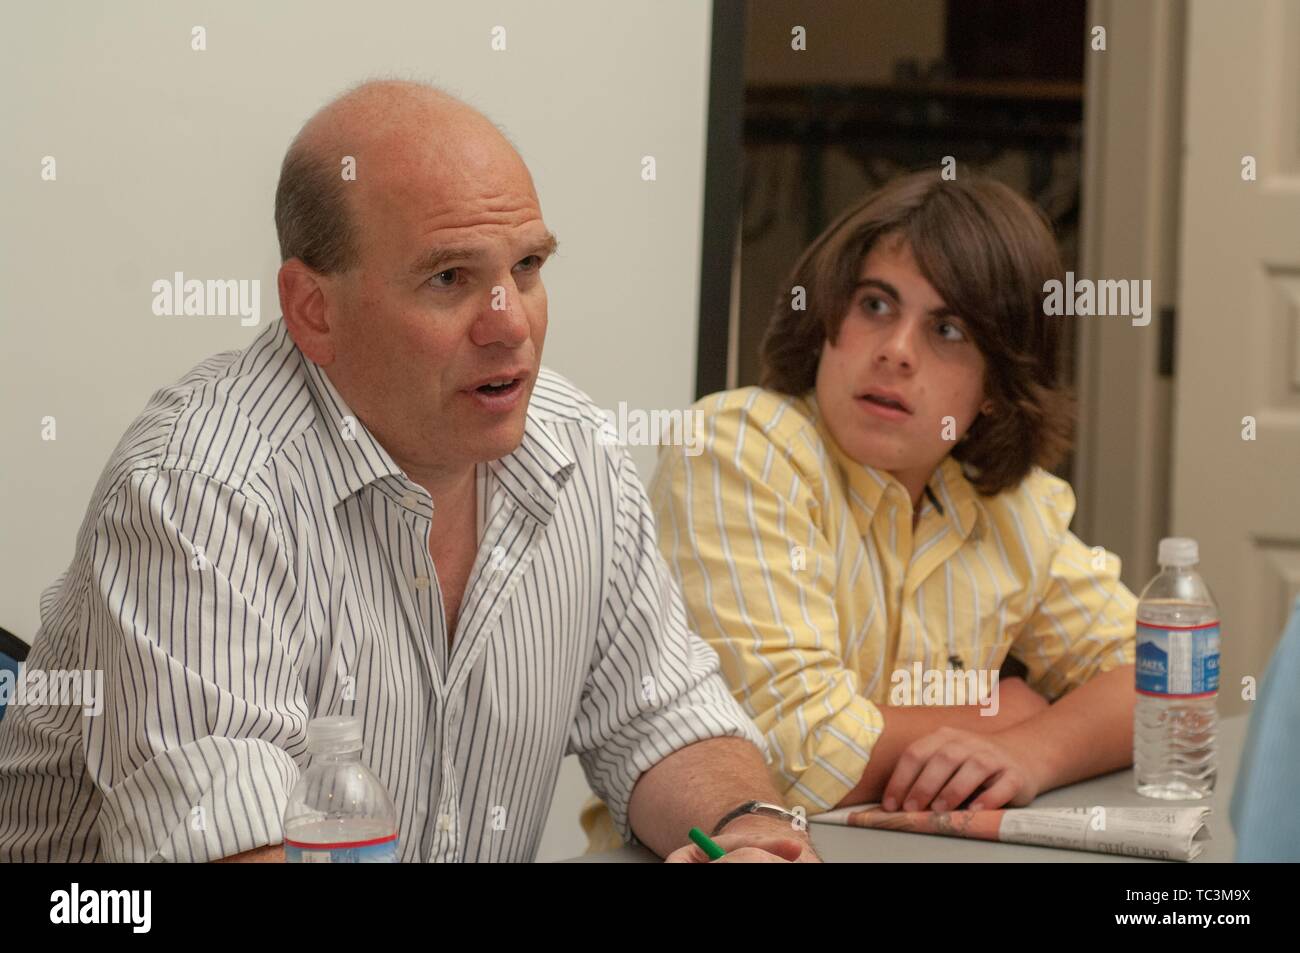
(891, 128)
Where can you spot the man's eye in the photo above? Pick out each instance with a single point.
(873, 305)
(536, 262)
(449, 275)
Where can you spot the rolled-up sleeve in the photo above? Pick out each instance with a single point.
(758, 577)
(188, 612)
(653, 686)
(1085, 620)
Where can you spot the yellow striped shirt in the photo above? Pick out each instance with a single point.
(802, 569)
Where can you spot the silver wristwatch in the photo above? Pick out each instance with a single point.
(797, 821)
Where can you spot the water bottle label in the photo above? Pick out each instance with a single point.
(1178, 660)
(380, 851)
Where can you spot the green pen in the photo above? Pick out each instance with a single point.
(702, 841)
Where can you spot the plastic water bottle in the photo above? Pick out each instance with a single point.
(1176, 721)
(338, 812)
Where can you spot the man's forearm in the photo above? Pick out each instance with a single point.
(694, 787)
(1088, 732)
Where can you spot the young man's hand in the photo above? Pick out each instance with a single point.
(940, 771)
(1087, 732)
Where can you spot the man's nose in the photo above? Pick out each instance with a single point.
(502, 319)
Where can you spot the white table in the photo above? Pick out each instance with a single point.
(839, 844)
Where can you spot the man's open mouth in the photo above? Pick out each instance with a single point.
(500, 395)
(499, 387)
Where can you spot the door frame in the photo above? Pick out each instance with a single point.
(1129, 228)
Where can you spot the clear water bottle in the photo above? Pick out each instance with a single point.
(338, 812)
(1176, 721)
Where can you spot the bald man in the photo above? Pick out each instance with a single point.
(384, 507)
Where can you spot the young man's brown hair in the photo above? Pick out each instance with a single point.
(988, 253)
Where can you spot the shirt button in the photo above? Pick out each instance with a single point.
(444, 822)
(410, 499)
(421, 582)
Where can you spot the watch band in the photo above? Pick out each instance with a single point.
(760, 807)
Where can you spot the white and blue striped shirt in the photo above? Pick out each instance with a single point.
(252, 558)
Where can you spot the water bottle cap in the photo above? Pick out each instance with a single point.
(1178, 551)
(334, 734)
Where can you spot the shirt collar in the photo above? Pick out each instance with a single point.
(957, 495)
(535, 471)
(532, 474)
(357, 458)
(867, 486)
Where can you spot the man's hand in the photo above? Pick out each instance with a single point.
(271, 854)
(754, 840)
(698, 784)
(940, 771)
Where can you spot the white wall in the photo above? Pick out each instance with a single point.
(167, 161)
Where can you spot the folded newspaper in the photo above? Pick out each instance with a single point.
(1165, 833)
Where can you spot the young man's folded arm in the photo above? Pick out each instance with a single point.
(904, 725)
(1079, 647)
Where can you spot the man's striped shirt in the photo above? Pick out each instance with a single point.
(252, 558)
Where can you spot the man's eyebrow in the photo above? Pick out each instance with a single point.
(546, 246)
(434, 257)
(943, 311)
